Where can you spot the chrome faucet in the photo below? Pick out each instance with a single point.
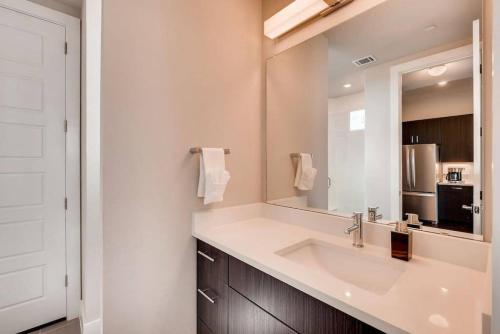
(356, 229)
(372, 214)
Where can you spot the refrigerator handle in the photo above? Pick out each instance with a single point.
(408, 169)
(413, 177)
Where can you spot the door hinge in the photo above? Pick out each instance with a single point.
(65, 203)
(65, 48)
(481, 195)
(66, 281)
(65, 125)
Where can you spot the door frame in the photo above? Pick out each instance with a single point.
(72, 27)
(397, 72)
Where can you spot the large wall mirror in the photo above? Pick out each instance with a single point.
(382, 111)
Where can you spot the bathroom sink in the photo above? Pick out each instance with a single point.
(353, 266)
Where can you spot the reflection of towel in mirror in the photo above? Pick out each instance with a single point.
(304, 179)
(213, 175)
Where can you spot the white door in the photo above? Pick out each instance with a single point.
(478, 147)
(32, 172)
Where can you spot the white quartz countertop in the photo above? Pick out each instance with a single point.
(456, 184)
(429, 297)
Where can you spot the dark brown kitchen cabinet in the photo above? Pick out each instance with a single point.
(422, 132)
(451, 211)
(454, 135)
(241, 299)
(457, 139)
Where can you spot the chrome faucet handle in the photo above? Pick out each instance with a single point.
(372, 214)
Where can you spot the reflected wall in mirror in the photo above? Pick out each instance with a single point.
(369, 104)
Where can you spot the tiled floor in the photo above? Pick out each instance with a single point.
(63, 327)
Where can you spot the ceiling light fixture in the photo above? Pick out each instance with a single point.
(298, 12)
(347, 85)
(436, 71)
(442, 83)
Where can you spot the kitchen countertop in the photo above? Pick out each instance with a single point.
(456, 184)
(429, 297)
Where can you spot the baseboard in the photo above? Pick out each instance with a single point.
(89, 327)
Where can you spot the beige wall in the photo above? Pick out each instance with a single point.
(60, 7)
(175, 74)
(456, 98)
(297, 118)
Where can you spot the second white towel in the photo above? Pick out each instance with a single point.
(306, 173)
(213, 175)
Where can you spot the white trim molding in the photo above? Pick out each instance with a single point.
(397, 72)
(72, 27)
(92, 232)
(495, 126)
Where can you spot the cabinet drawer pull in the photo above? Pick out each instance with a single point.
(468, 207)
(457, 188)
(207, 297)
(211, 259)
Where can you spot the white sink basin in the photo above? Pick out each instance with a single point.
(353, 266)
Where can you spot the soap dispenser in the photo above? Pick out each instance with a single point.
(401, 242)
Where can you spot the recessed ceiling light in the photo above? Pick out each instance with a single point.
(442, 83)
(437, 70)
(430, 28)
(347, 85)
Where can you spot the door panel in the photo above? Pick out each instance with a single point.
(32, 172)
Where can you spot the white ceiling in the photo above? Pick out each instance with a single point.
(457, 70)
(392, 30)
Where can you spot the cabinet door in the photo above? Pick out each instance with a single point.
(450, 202)
(428, 131)
(279, 299)
(457, 143)
(408, 129)
(324, 319)
(212, 288)
(247, 318)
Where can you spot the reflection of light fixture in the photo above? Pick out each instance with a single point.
(347, 85)
(442, 83)
(298, 12)
(437, 70)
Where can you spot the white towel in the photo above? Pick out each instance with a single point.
(304, 178)
(213, 175)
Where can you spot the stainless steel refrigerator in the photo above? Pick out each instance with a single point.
(421, 169)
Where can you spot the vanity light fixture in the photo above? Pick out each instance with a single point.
(347, 85)
(442, 83)
(299, 12)
(437, 71)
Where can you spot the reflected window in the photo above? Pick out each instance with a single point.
(357, 120)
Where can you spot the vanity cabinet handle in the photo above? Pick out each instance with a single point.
(207, 297)
(211, 259)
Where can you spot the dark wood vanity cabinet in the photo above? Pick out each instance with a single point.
(455, 135)
(254, 302)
